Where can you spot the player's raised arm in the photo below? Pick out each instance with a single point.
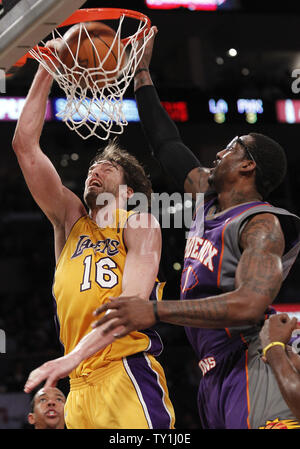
(40, 175)
(58, 203)
(162, 133)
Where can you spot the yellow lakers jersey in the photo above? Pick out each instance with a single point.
(88, 272)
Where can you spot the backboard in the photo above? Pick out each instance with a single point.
(27, 23)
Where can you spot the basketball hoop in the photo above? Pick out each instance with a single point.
(94, 95)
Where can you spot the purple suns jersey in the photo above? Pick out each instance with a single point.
(237, 389)
(211, 257)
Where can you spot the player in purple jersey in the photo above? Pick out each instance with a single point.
(238, 252)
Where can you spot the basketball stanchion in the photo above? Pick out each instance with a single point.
(94, 65)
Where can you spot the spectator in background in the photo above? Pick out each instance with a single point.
(47, 409)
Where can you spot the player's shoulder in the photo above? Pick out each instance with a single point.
(262, 222)
(144, 220)
(261, 229)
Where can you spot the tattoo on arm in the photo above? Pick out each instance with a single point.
(206, 312)
(258, 279)
(260, 273)
(264, 229)
(189, 179)
(260, 268)
(196, 180)
(142, 79)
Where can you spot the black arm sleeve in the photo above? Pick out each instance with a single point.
(163, 136)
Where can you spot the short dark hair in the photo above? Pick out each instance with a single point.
(271, 160)
(32, 404)
(134, 173)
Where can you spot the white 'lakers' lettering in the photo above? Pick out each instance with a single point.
(202, 250)
(108, 246)
(207, 364)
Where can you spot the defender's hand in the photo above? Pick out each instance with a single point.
(131, 312)
(146, 59)
(278, 327)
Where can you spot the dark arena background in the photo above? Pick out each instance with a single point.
(219, 73)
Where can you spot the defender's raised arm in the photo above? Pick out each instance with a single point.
(162, 134)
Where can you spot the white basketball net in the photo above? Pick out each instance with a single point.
(94, 97)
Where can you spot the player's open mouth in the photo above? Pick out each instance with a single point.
(95, 182)
(51, 414)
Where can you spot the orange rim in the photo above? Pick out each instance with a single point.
(82, 15)
(92, 14)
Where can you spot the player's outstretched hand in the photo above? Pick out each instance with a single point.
(51, 371)
(61, 367)
(131, 312)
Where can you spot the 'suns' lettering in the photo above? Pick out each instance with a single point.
(207, 364)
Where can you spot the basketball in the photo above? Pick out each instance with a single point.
(92, 46)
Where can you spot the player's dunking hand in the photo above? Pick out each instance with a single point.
(146, 59)
(130, 312)
(52, 48)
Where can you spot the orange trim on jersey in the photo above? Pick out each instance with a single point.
(247, 388)
(203, 203)
(196, 279)
(243, 339)
(222, 250)
(227, 332)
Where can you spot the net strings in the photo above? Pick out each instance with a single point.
(93, 104)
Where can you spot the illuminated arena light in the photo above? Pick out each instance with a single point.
(11, 108)
(288, 111)
(293, 310)
(197, 5)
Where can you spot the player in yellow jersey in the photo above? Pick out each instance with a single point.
(101, 251)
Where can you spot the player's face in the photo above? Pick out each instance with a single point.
(227, 163)
(48, 409)
(103, 177)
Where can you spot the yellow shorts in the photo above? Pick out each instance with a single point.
(130, 393)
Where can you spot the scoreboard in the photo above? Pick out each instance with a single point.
(184, 108)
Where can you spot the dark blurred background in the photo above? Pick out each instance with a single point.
(204, 62)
